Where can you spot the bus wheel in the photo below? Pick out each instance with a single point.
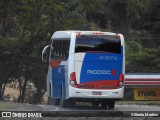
(71, 103)
(95, 103)
(111, 104)
(104, 104)
(56, 101)
(64, 103)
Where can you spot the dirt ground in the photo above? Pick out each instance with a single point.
(11, 94)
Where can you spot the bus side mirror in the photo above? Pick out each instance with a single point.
(45, 53)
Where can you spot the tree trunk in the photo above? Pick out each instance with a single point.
(4, 85)
(24, 90)
(1, 96)
(2, 80)
(20, 91)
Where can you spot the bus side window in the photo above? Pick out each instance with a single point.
(67, 49)
(52, 50)
(64, 49)
(60, 50)
(55, 49)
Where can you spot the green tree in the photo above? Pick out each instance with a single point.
(132, 47)
(137, 11)
(146, 61)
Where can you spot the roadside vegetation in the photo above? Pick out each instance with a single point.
(7, 105)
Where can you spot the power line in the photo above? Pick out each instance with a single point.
(145, 38)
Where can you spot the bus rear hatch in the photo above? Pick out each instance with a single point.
(98, 62)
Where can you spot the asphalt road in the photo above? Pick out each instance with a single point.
(86, 110)
(117, 108)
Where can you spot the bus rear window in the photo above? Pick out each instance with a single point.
(98, 43)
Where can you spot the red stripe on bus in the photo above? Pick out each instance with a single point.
(100, 84)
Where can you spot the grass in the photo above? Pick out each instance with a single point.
(138, 102)
(7, 105)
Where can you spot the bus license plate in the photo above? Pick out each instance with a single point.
(96, 93)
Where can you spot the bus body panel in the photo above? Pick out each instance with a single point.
(95, 67)
(89, 93)
(58, 81)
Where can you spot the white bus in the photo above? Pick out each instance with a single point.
(85, 66)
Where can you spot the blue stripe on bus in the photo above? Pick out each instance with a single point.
(102, 62)
(58, 79)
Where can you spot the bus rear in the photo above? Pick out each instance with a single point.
(97, 71)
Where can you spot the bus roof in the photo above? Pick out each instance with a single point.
(67, 34)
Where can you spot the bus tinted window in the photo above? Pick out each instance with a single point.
(99, 43)
(60, 49)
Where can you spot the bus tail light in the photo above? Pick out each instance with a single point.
(117, 35)
(73, 81)
(78, 33)
(97, 33)
(121, 80)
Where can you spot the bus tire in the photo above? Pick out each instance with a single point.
(56, 101)
(104, 104)
(64, 103)
(71, 103)
(95, 103)
(111, 104)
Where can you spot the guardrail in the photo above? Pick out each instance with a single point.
(142, 80)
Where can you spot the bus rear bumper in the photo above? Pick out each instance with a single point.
(92, 93)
